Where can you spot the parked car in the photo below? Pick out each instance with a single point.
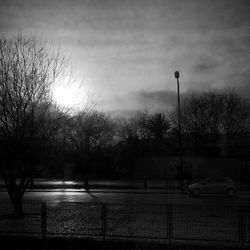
(213, 185)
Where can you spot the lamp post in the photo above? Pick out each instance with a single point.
(177, 76)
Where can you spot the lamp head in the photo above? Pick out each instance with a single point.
(176, 74)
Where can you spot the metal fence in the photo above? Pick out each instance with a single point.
(169, 224)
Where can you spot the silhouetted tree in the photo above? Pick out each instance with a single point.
(142, 134)
(135, 127)
(134, 134)
(208, 116)
(27, 71)
(158, 127)
(92, 132)
(235, 115)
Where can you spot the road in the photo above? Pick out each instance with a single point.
(55, 183)
(130, 196)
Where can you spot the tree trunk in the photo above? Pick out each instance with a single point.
(32, 182)
(16, 200)
(18, 207)
(86, 183)
(16, 195)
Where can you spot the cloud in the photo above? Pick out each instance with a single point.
(156, 99)
(122, 113)
(153, 101)
(205, 65)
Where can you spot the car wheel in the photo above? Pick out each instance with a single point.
(231, 192)
(196, 192)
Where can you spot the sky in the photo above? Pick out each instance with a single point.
(126, 51)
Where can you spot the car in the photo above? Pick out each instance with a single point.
(213, 185)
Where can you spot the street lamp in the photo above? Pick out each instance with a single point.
(177, 76)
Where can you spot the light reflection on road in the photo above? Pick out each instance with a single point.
(62, 195)
(61, 182)
(66, 191)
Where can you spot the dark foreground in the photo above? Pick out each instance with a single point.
(18, 243)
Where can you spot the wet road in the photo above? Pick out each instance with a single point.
(131, 196)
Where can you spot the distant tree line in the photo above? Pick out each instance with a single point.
(214, 118)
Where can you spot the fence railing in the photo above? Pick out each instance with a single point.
(169, 224)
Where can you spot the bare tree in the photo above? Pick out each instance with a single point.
(201, 113)
(27, 71)
(235, 115)
(159, 125)
(210, 115)
(135, 127)
(91, 132)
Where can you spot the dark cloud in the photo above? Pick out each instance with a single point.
(122, 113)
(205, 65)
(156, 98)
(152, 101)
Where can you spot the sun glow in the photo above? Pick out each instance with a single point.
(69, 94)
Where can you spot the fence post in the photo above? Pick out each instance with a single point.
(43, 219)
(104, 220)
(242, 229)
(169, 222)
